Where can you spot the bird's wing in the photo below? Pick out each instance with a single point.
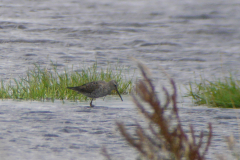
(88, 87)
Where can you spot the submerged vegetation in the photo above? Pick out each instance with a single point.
(42, 84)
(164, 137)
(221, 93)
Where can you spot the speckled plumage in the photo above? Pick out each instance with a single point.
(97, 89)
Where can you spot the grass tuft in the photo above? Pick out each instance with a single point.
(49, 84)
(221, 93)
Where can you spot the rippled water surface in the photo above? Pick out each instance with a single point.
(187, 38)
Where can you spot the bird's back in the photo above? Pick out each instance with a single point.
(91, 89)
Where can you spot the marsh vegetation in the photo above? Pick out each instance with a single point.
(223, 93)
(48, 84)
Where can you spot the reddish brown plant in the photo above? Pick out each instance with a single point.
(163, 139)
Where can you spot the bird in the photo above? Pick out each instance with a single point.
(97, 89)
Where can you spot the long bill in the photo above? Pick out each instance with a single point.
(119, 94)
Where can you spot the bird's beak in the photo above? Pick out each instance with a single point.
(119, 94)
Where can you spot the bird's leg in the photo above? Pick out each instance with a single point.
(91, 103)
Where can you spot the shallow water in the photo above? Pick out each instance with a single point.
(34, 130)
(46, 130)
(187, 38)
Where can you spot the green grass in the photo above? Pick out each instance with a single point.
(224, 93)
(44, 84)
